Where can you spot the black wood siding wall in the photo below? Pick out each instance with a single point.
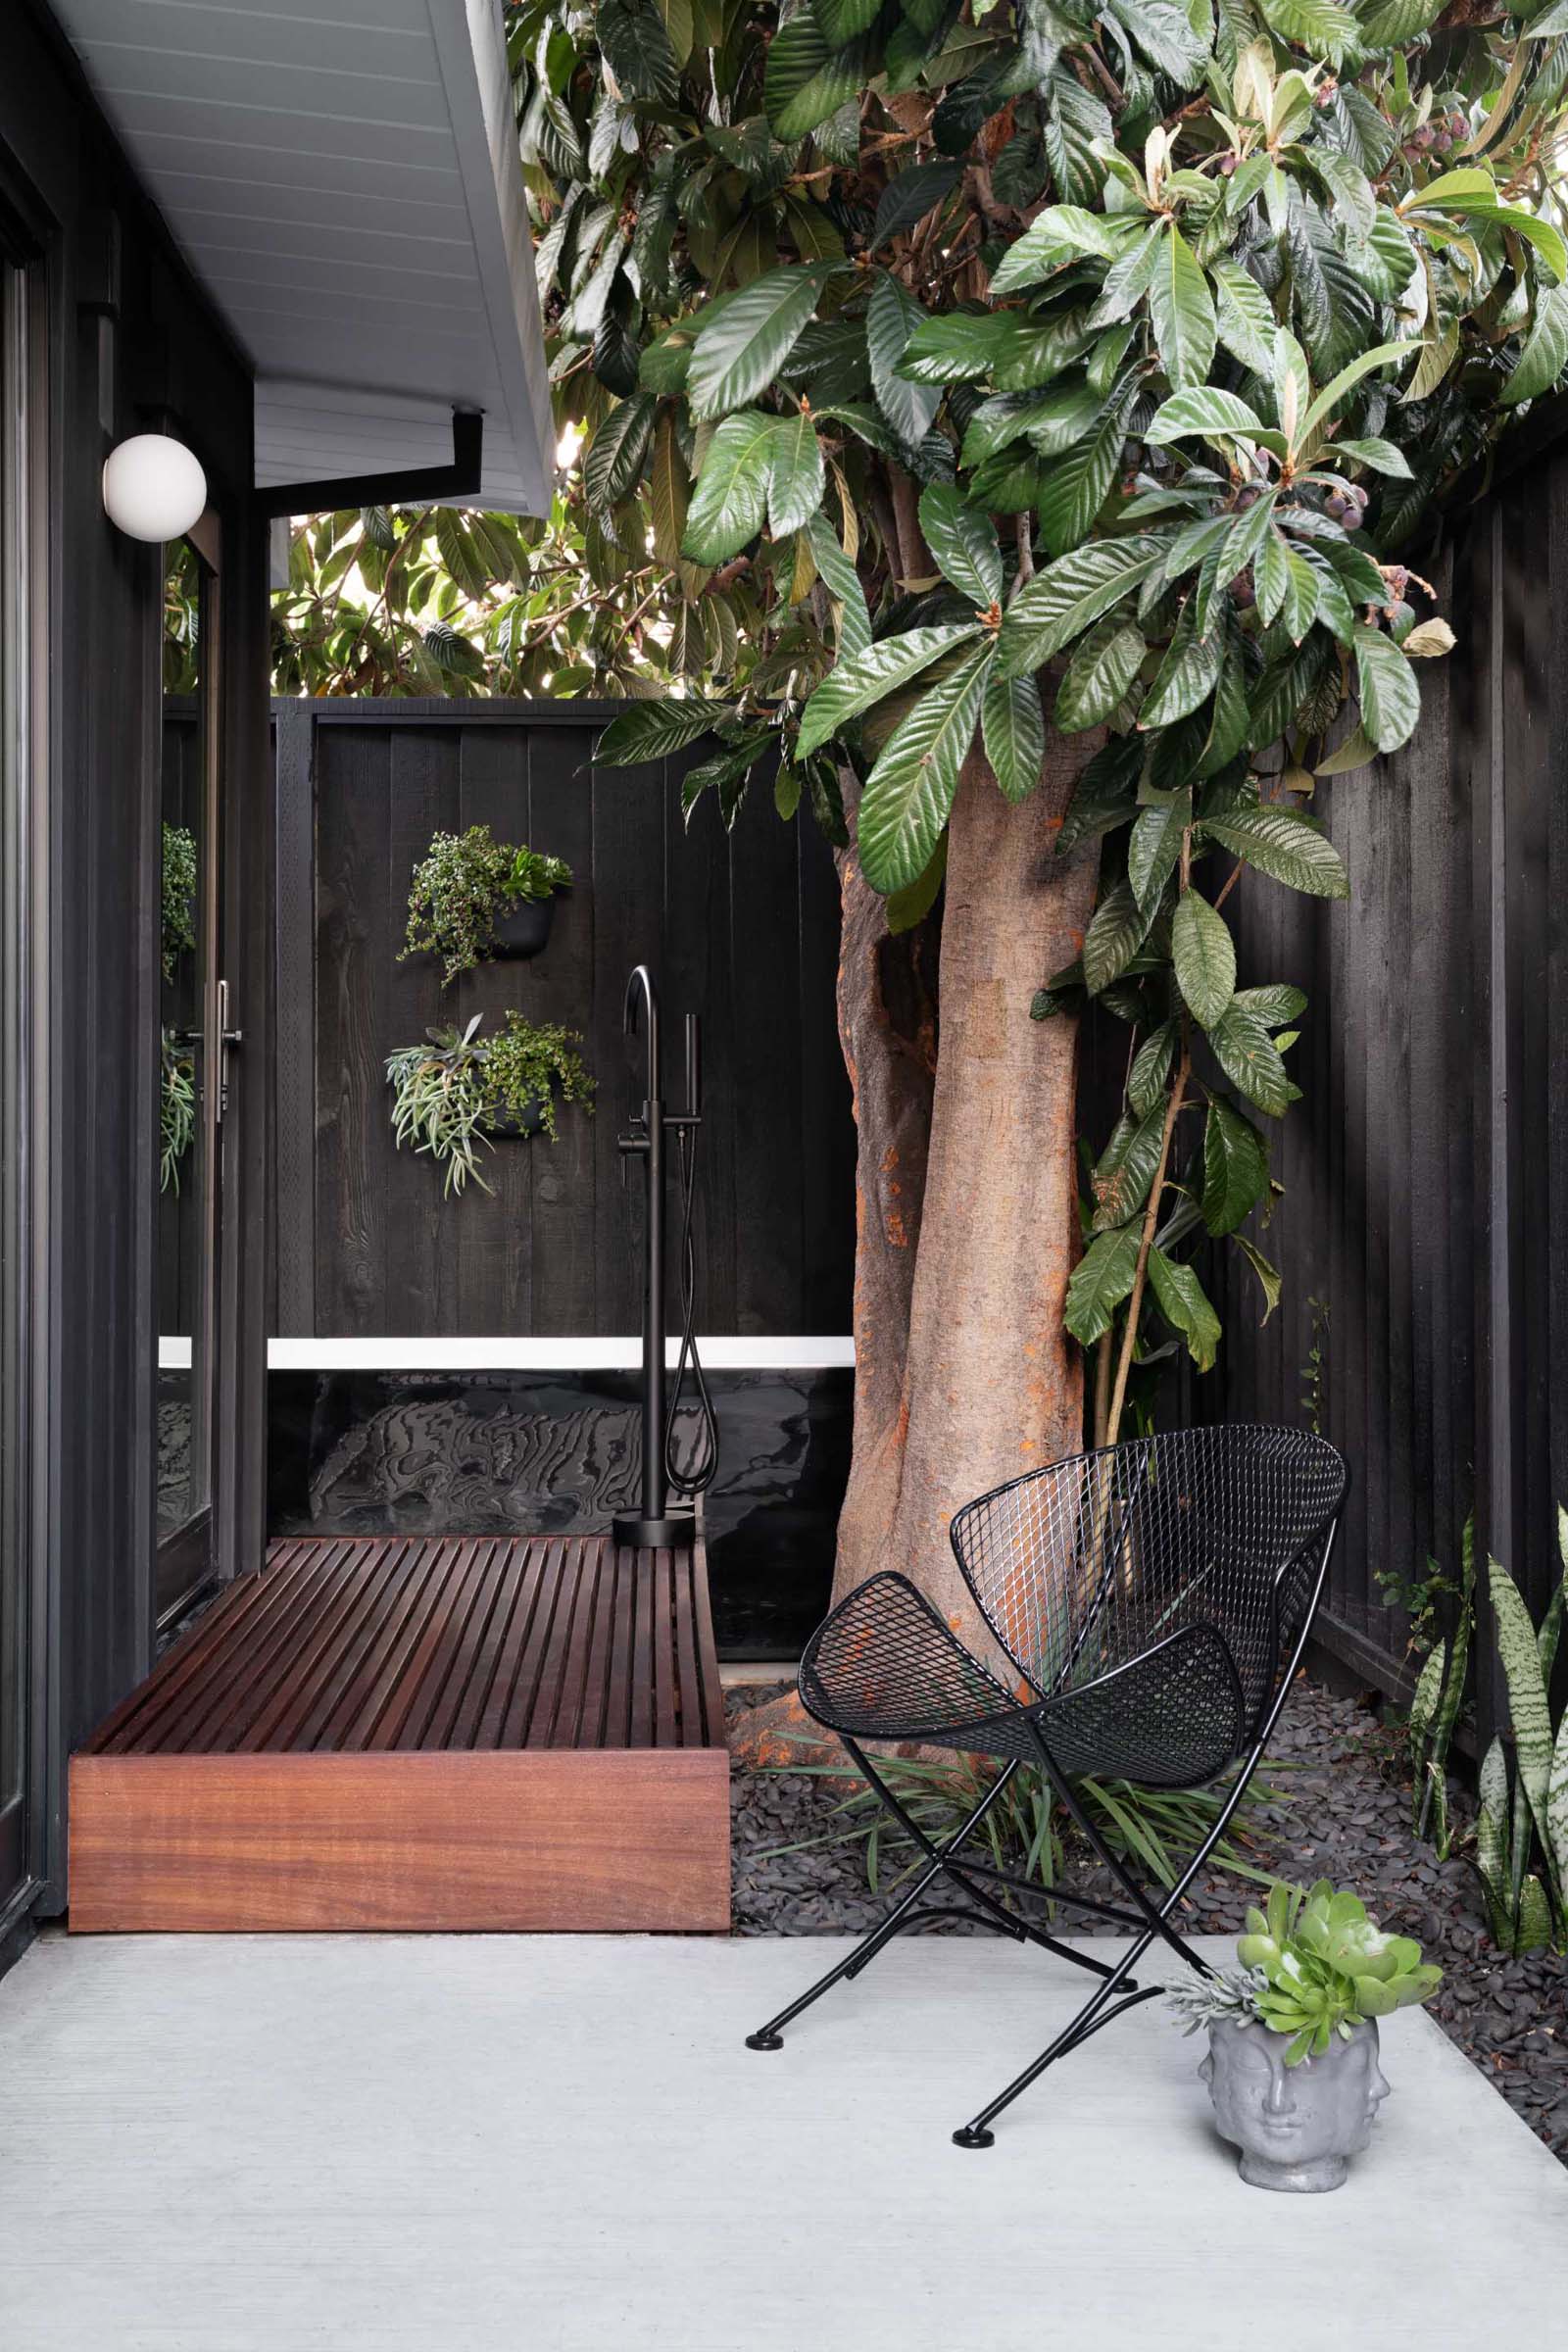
(122, 337)
(742, 928)
(1426, 1172)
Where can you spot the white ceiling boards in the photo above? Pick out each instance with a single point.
(345, 182)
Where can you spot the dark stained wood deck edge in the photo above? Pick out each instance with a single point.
(419, 1733)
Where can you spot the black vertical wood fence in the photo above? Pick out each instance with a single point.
(1423, 1234)
(741, 927)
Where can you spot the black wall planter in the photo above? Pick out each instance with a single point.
(516, 1126)
(525, 931)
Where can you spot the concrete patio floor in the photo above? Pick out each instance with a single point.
(263, 2144)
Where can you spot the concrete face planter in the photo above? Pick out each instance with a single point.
(1297, 2126)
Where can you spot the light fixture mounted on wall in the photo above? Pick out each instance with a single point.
(153, 487)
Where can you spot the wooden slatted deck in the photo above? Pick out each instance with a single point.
(424, 1733)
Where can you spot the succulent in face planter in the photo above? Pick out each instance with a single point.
(473, 895)
(1292, 2040)
(461, 1089)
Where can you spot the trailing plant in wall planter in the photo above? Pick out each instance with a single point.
(176, 1110)
(474, 896)
(1293, 2065)
(460, 1090)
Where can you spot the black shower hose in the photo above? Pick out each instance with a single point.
(697, 1475)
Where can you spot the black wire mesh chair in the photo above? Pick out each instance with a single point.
(1154, 1601)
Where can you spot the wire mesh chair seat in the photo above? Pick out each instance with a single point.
(1149, 1604)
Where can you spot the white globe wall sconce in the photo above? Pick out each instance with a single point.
(153, 487)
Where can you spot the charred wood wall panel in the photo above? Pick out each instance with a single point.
(741, 927)
(1423, 1233)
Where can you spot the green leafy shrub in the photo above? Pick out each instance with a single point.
(448, 1094)
(178, 906)
(1027, 1832)
(1316, 1966)
(464, 884)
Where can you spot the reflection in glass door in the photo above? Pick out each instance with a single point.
(190, 1081)
(16, 880)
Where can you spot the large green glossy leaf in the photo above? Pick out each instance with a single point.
(1116, 933)
(1285, 846)
(1183, 313)
(650, 731)
(1187, 674)
(843, 20)
(1250, 1061)
(1322, 26)
(890, 319)
(1390, 699)
(1105, 662)
(806, 79)
(1243, 317)
(1099, 1282)
(1014, 352)
(1185, 1305)
(1235, 1167)
(1151, 1068)
(909, 792)
(614, 464)
(1545, 350)
(1155, 848)
(852, 686)
(1012, 728)
(963, 542)
(1073, 490)
(843, 583)
(1050, 420)
(739, 354)
(795, 478)
(1068, 595)
(730, 494)
(1059, 236)
(1207, 412)
(1127, 279)
(1126, 1168)
(1203, 953)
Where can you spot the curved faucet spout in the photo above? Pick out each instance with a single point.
(642, 976)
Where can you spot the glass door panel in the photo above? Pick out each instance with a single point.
(15, 873)
(190, 1083)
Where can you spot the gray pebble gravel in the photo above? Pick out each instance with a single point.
(1348, 1819)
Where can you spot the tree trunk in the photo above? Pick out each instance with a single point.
(966, 1196)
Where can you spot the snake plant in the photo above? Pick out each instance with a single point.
(1434, 1708)
(1522, 1827)
(1327, 1966)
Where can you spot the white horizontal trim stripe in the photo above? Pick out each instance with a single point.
(805, 1354)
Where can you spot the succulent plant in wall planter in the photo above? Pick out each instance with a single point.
(1293, 2065)
(460, 1091)
(473, 897)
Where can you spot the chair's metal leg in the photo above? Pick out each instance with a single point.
(958, 1874)
(977, 2133)
(771, 2035)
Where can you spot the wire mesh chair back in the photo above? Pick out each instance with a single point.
(1082, 1567)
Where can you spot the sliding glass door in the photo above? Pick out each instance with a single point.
(192, 1080)
(18, 1631)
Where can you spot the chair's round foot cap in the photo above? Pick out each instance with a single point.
(764, 2041)
(969, 2137)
